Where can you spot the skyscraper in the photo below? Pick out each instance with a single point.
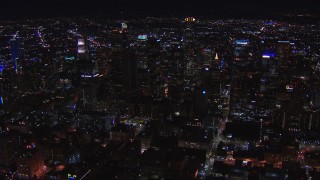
(87, 75)
(129, 70)
(15, 53)
(200, 100)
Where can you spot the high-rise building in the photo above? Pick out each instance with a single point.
(188, 32)
(190, 63)
(241, 50)
(15, 53)
(88, 76)
(200, 100)
(129, 70)
(115, 60)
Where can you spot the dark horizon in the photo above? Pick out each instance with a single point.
(18, 9)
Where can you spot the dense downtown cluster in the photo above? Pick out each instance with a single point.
(159, 98)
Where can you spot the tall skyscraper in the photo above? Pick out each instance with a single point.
(188, 31)
(241, 50)
(87, 75)
(191, 66)
(129, 70)
(15, 53)
(200, 100)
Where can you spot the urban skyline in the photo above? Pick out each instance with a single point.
(160, 90)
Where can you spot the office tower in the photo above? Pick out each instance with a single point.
(188, 32)
(115, 62)
(129, 71)
(87, 75)
(123, 63)
(242, 75)
(200, 100)
(284, 49)
(83, 51)
(15, 53)
(191, 66)
(102, 57)
(241, 50)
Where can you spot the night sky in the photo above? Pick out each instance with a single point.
(49, 8)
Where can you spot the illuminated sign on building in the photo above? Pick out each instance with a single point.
(71, 177)
(268, 55)
(1, 100)
(80, 42)
(89, 76)
(289, 88)
(242, 42)
(69, 58)
(190, 19)
(124, 26)
(143, 37)
(81, 46)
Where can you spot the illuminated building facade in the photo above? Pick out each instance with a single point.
(15, 54)
(88, 76)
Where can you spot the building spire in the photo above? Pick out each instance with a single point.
(216, 57)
